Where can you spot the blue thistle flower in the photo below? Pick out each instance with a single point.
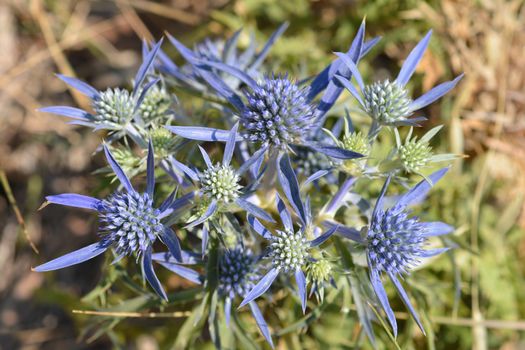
(278, 112)
(129, 223)
(395, 242)
(288, 248)
(388, 103)
(275, 112)
(237, 274)
(117, 109)
(416, 154)
(219, 184)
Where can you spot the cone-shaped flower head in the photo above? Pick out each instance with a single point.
(388, 103)
(289, 250)
(237, 272)
(117, 109)
(156, 105)
(395, 242)
(277, 112)
(221, 182)
(307, 162)
(163, 142)
(113, 106)
(356, 141)
(415, 155)
(128, 222)
(319, 272)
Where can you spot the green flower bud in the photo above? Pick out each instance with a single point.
(386, 102)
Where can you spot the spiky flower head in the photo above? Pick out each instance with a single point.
(156, 105)
(318, 273)
(415, 155)
(163, 141)
(113, 106)
(126, 158)
(237, 272)
(307, 161)
(395, 242)
(319, 270)
(386, 102)
(277, 112)
(356, 141)
(221, 182)
(130, 221)
(289, 250)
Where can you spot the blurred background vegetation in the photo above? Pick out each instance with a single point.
(477, 297)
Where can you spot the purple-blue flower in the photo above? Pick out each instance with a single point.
(395, 242)
(129, 223)
(219, 184)
(288, 247)
(237, 274)
(387, 102)
(276, 111)
(116, 109)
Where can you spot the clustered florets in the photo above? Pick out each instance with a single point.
(237, 272)
(221, 182)
(156, 104)
(308, 161)
(386, 102)
(130, 221)
(395, 242)
(114, 106)
(289, 250)
(278, 112)
(415, 155)
(356, 142)
(163, 142)
(319, 271)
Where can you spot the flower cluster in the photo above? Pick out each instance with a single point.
(263, 212)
